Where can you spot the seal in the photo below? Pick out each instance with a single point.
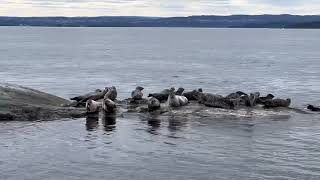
(153, 104)
(86, 96)
(236, 95)
(313, 108)
(137, 93)
(162, 96)
(111, 93)
(192, 96)
(93, 106)
(109, 106)
(175, 100)
(217, 101)
(262, 100)
(273, 103)
(179, 91)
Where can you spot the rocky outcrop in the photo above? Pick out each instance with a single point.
(23, 104)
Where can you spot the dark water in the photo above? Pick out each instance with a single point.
(71, 61)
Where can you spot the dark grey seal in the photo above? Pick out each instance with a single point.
(262, 100)
(109, 106)
(250, 100)
(86, 96)
(162, 96)
(313, 108)
(137, 93)
(111, 93)
(179, 91)
(273, 103)
(216, 101)
(236, 95)
(192, 96)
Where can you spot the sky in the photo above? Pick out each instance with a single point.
(163, 8)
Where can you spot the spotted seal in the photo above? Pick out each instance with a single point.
(153, 104)
(273, 103)
(137, 93)
(93, 106)
(111, 93)
(109, 106)
(192, 95)
(262, 100)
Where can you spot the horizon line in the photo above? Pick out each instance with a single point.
(161, 16)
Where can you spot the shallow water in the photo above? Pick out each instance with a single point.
(72, 61)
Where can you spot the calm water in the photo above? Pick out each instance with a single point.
(72, 61)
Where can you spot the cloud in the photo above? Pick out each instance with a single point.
(155, 7)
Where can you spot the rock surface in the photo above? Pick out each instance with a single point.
(23, 104)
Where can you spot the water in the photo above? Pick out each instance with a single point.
(72, 61)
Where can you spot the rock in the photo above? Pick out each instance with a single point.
(21, 103)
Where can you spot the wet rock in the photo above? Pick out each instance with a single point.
(21, 103)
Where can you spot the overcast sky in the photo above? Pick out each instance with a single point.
(155, 7)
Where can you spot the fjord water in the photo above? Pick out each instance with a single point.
(72, 61)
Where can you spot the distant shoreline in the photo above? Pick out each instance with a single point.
(232, 21)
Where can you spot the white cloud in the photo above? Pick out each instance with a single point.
(155, 7)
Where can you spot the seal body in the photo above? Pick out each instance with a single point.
(262, 100)
(111, 93)
(162, 96)
(217, 101)
(86, 96)
(93, 106)
(277, 103)
(153, 104)
(109, 106)
(313, 108)
(175, 100)
(137, 93)
(179, 91)
(236, 95)
(192, 96)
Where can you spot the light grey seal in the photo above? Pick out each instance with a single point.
(175, 100)
(93, 106)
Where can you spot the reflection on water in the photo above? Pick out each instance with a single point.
(92, 123)
(108, 121)
(285, 63)
(154, 124)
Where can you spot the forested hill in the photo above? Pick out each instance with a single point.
(234, 21)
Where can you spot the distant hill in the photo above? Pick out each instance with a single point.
(234, 21)
(308, 25)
